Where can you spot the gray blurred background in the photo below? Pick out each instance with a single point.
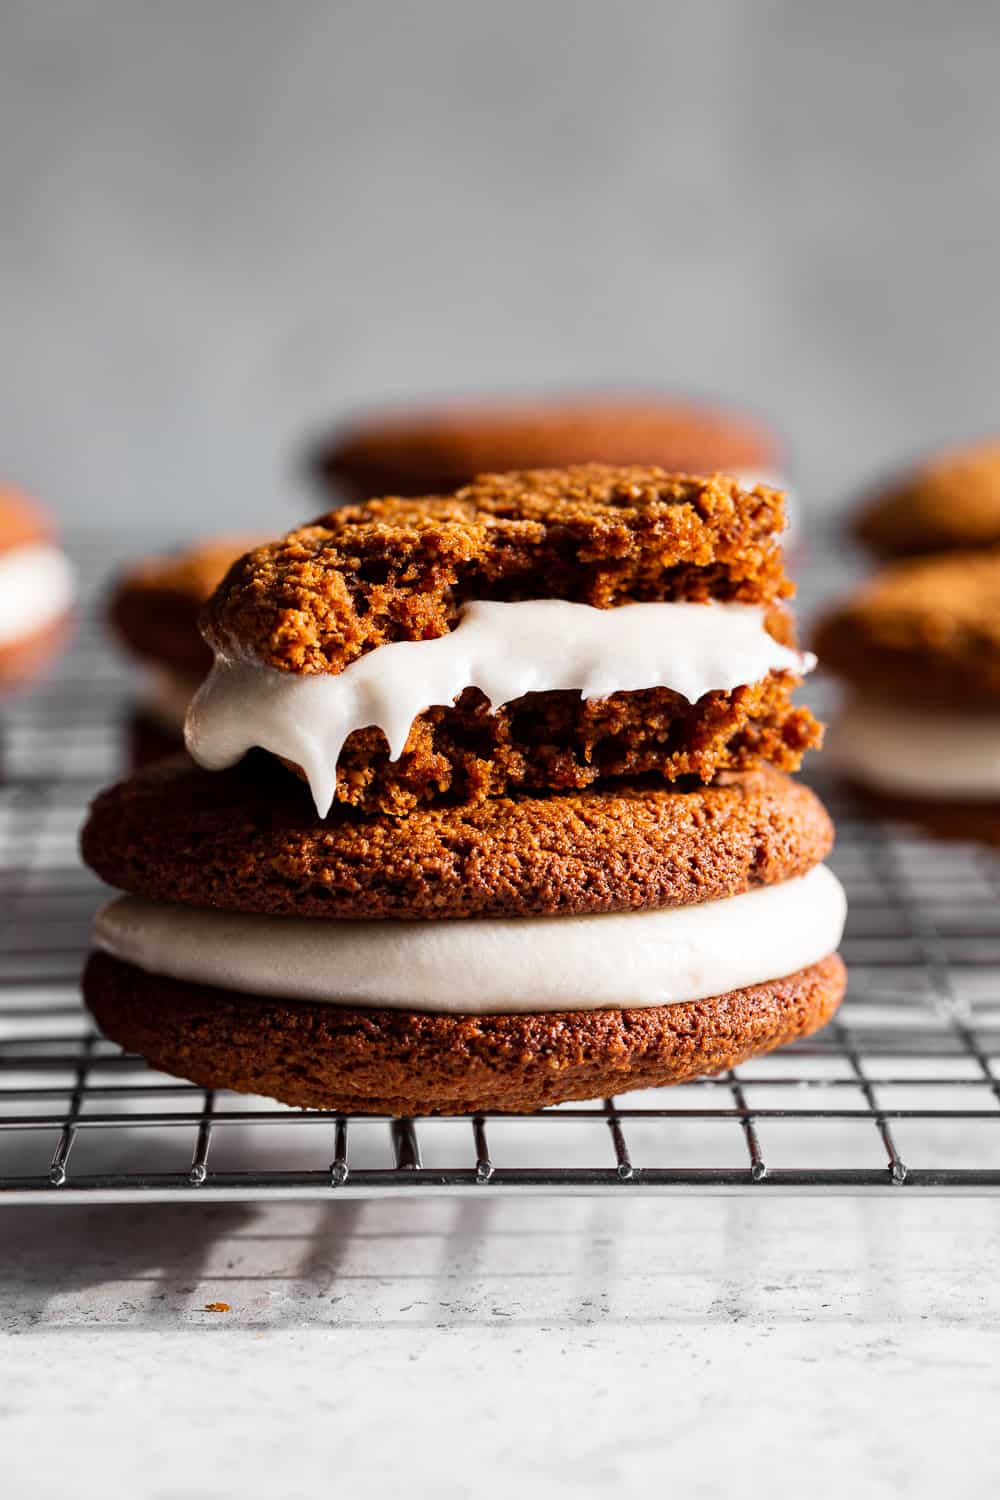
(225, 224)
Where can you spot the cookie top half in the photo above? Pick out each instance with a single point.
(401, 569)
(924, 630)
(420, 450)
(950, 501)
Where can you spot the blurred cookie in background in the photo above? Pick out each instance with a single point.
(36, 590)
(153, 611)
(423, 450)
(918, 648)
(949, 502)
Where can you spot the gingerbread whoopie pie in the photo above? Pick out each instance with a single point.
(949, 502)
(435, 448)
(918, 649)
(36, 590)
(490, 808)
(153, 611)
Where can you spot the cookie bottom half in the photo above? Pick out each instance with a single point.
(392, 1062)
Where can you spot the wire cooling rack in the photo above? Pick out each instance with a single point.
(900, 1093)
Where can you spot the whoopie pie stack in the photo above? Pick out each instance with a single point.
(918, 648)
(490, 811)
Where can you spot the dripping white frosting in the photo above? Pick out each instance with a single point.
(506, 649)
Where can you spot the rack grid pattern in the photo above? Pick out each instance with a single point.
(900, 1093)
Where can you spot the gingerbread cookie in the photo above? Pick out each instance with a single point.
(470, 646)
(540, 936)
(422, 451)
(949, 502)
(918, 647)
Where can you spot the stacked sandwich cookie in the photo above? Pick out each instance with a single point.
(36, 590)
(490, 812)
(918, 647)
(948, 502)
(153, 611)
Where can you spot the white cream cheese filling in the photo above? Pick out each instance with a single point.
(490, 966)
(36, 589)
(920, 752)
(505, 649)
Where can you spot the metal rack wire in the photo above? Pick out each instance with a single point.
(900, 1093)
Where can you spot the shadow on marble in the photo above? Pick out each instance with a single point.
(543, 1263)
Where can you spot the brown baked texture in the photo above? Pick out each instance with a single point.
(379, 1061)
(22, 520)
(403, 569)
(923, 631)
(249, 840)
(417, 451)
(21, 661)
(154, 605)
(951, 501)
(558, 742)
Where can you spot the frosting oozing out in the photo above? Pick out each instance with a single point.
(920, 752)
(36, 589)
(490, 966)
(506, 649)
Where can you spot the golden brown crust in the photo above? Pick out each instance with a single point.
(951, 501)
(419, 451)
(399, 569)
(926, 631)
(23, 522)
(23, 660)
(249, 840)
(154, 605)
(407, 1063)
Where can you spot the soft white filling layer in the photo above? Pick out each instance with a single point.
(490, 966)
(36, 589)
(918, 752)
(505, 650)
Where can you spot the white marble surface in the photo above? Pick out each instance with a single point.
(560, 1347)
